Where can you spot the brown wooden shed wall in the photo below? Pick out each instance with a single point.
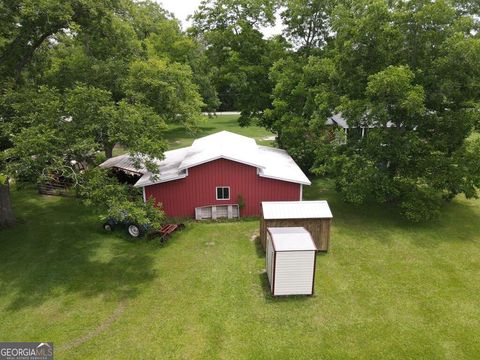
(318, 228)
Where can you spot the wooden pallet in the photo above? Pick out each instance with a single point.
(59, 189)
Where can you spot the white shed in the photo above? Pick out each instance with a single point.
(290, 261)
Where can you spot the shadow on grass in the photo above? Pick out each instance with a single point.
(458, 220)
(270, 299)
(259, 248)
(59, 247)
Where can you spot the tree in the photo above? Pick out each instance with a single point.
(238, 52)
(122, 203)
(307, 23)
(408, 72)
(24, 28)
(7, 217)
(27, 25)
(101, 55)
(213, 15)
(73, 85)
(167, 88)
(302, 100)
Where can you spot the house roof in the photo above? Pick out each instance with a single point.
(296, 210)
(270, 162)
(123, 162)
(291, 239)
(339, 120)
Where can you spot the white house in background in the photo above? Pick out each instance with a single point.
(339, 121)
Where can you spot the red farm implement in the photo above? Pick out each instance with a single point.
(165, 231)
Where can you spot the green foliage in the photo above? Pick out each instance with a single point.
(240, 201)
(238, 53)
(26, 26)
(225, 14)
(95, 116)
(167, 88)
(50, 130)
(83, 76)
(37, 133)
(392, 97)
(301, 103)
(120, 202)
(307, 23)
(408, 72)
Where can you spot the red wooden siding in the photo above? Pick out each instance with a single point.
(181, 197)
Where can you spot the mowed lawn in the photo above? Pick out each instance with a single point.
(177, 136)
(386, 289)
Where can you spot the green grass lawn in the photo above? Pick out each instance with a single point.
(386, 289)
(178, 137)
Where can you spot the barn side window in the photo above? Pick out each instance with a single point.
(223, 193)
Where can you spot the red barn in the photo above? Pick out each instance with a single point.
(220, 175)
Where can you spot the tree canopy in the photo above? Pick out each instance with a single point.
(239, 53)
(80, 77)
(407, 72)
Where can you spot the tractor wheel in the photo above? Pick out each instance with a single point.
(134, 230)
(108, 227)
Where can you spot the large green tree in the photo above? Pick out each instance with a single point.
(80, 77)
(27, 25)
(407, 71)
(238, 52)
(307, 23)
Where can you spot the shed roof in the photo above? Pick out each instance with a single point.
(291, 239)
(318, 209)
(270, 162)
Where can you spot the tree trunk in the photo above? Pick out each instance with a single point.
(7, 218)
(108, 148)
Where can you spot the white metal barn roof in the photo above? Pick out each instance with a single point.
(296, 210)
(291, 238)
(270, 162)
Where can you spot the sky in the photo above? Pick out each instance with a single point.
(182, 8)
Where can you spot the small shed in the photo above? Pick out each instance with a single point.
(290, 261)
(315, 216)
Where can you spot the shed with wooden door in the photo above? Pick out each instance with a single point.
(290, 261)
(315, 216)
